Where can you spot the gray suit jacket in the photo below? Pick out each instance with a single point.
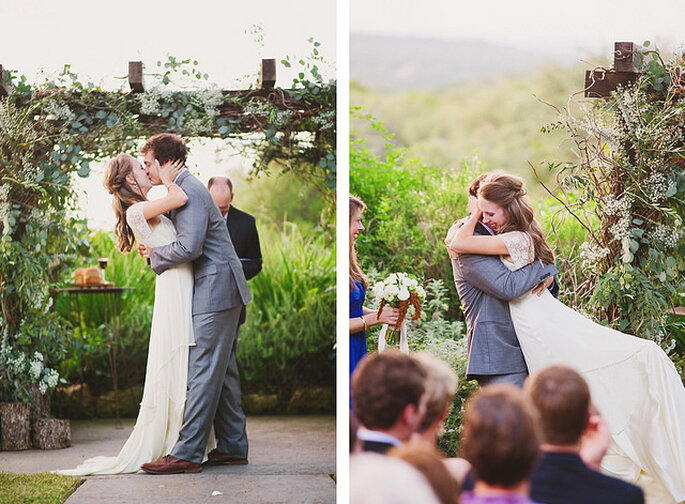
(485, 287)
(202, 238)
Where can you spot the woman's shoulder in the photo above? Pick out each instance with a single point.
(520, 246)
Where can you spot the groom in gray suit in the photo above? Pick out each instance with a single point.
(485, 287)
(220, 292)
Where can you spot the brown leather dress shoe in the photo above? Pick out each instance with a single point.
(215, 457)
(171, 465)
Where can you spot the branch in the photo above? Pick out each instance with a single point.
(568, 209)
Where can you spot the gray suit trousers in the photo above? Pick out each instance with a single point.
(213, 395)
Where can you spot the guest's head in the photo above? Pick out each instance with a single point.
(221, 189)
(562, 398)
(159, 150)
(357, 206)
(387, 391)
(429, 462)
(128, 183)
(441, 385)
(500, 437)
(377, 479)
(505, 205)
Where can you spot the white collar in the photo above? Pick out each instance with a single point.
(380, 437)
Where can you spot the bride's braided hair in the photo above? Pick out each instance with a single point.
(124, 196)
(509, 192)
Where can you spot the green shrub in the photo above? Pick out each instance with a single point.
(287, 340)
(410, 208)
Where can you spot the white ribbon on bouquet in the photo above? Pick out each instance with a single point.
(404, 344)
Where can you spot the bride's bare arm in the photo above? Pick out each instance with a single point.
(464, 242)
(175, 198)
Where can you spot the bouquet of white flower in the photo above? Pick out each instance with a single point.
(399, 290)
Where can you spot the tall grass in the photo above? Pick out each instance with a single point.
(287, 340)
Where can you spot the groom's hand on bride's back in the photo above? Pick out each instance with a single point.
(543, 286)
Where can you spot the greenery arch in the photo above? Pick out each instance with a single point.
(53, 130)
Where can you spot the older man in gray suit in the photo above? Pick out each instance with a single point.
(220, 292)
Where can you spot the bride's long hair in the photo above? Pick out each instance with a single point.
(124, 196)
(509, 192)
(356, 273)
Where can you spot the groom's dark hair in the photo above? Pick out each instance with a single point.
(166, 147)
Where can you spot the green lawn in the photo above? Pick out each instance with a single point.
(38, 488)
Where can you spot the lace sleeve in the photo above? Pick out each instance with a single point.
(136, 220)
(520, 247)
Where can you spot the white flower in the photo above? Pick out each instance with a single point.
(36, 369)
(392, 290)
(378, 290)
(38, 355)
(403, 294)
(52, 378)
(43, 387)
(392, 278)
(420, 291)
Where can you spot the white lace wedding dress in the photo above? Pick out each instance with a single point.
(161, 410)
(633, 383)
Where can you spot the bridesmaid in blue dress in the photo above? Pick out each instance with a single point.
(361, 318)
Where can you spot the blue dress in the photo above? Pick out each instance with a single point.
(358, 339)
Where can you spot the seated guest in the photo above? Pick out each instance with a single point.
(429, 462)
(387, 391)
(562, 399)
(501, 441)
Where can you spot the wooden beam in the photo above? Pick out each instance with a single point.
(623, 56)
(135, 76)
(4, 87)
(267, 76)
(600, 83)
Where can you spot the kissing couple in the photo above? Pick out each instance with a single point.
(190, 412)
(502, 269)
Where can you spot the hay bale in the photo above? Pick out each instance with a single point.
(51, 433)
(15, 426)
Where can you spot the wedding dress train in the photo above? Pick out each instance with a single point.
(161, 409)
(633, 383)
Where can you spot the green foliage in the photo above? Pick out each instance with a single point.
(411, 206)
(288, 338)
(37, 488)
(626, 187)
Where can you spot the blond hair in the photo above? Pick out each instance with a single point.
(356, 273)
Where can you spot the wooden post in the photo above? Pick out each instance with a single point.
(267, 77)
(4, 87)
(135, 76)
(600, 83)
(623, 56)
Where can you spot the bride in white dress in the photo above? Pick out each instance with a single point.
(161, 410)
(633, 383)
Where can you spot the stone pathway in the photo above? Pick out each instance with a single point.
(291, 459)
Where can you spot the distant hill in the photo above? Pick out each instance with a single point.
(397, 63)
